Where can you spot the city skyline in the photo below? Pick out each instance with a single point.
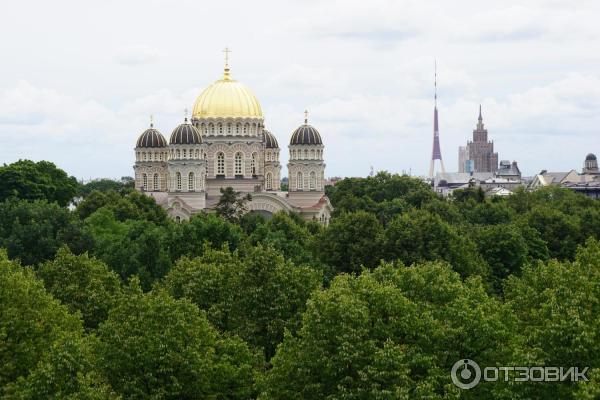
(81, 99)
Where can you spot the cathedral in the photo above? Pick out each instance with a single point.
(225, 144)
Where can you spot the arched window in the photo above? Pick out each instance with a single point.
(178, 219)
(299, 181)
(229, 128)
(144, 181)
(253, 163)
(178, 177)
(211, 127)
(238, 164)
(313, 180)
(144, 156)
(220, 127)
(253, 129)
(269, 181)
(191, 185)
(178, 153)
(237, 129)
(184, 153)
(156, 182)
(246, 127)
(203, 129)
(305, 154)
(197, 153)
(312, 154)
(220, 164)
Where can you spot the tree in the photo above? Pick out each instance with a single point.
(392, 333)
(131, 247)
(31, 321)
(29, 180)
(106, 185)
(189, 237)
(557, 305)
(69, 370)
(352, 241)
(559, 230)
(256, 296)
(153, 346)
(420, 236)
(34, 231)
(125, 206)
(503, 248)
(232, 205)
(83, 284)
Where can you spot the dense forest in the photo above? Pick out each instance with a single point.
(110, 299)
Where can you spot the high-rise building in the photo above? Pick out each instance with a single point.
(479, 154)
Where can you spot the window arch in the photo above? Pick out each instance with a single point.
(312, 154)
(238, 164)
(220, 127)
(229, 128)
(184, 153)
(197, 153)
(211, 127)
(203, 129)
(299, 181)
(253, 163)
(178, 152)
(145, 181)
(191, 183)
(237, 128)
(269, 181)
(220, 163)
(178, 178)
(305, 154)
(156, 182)
(246, 127)
(313, 180)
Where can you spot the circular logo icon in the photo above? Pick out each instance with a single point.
(466, 374)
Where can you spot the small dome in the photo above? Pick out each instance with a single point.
(590, 157)
(270, 140)
(151, 138)
(306, 134)
(186, 133)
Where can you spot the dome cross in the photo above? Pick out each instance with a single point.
(306, 116)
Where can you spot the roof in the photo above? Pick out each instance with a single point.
(186, 134)
(151, 138)
(270, 140)
(306, 134)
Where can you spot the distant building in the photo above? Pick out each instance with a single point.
(588, 182)
(463, 157)
(445, 183)
(509, 170)
(478, 155)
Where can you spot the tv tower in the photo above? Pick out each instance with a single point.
(436, 154)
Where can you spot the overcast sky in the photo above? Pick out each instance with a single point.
(79, 79)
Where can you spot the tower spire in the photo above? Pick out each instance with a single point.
(480, 117)
(226, 69)
(436, 153)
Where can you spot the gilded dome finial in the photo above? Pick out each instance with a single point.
(305, 116)
(151, 121)
(226, 72)
(185, 114)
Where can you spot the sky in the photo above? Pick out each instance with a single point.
(80, 78)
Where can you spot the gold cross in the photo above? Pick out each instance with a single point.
(185, 112)
(306, 116)
(226, 51)
(151, 120)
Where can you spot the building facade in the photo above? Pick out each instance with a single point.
(226, 144)
(478, 155)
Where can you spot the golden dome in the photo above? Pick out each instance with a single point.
(227, 98)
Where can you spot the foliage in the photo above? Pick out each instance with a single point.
(126, 184)
(83, 284)
(31, 321)
(34, 231)
(125, 206)
(232, 205)
(29, 180)
(153, 346)
(256, 296)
